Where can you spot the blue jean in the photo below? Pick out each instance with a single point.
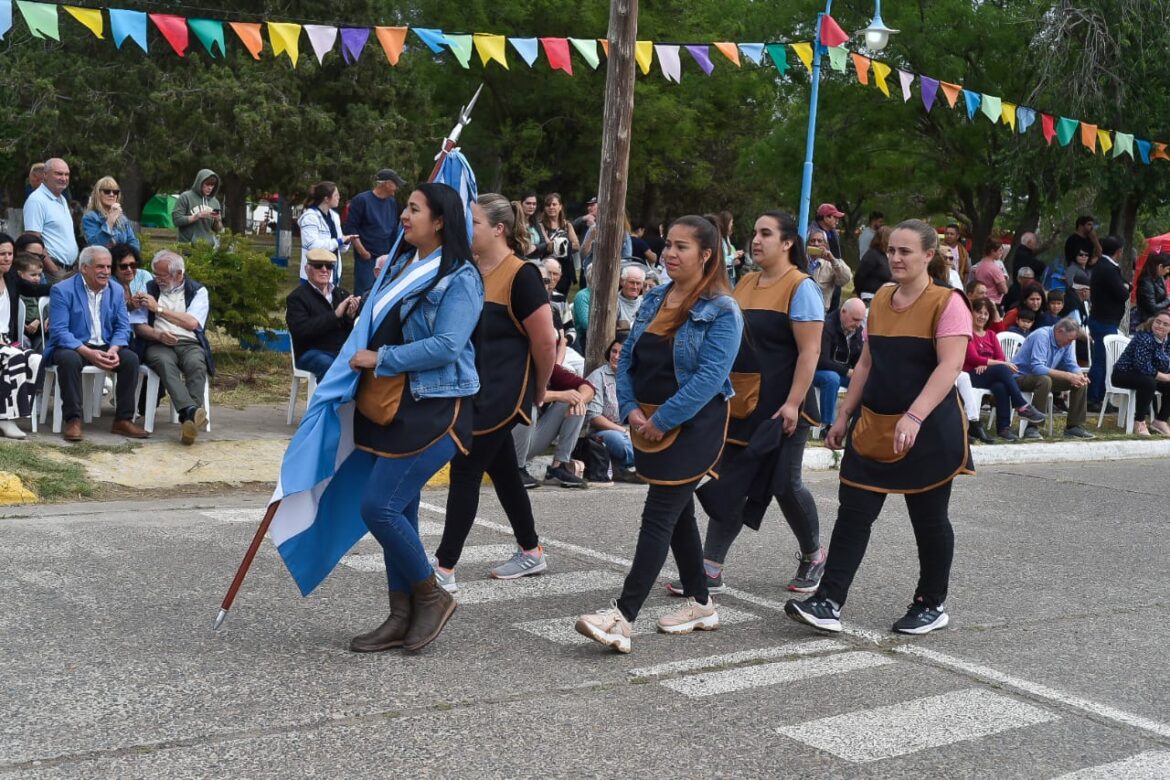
(390, 510)
(1000, 380)
(621, 449)
(363, 276)
(316, 362)
(828, 383)
(1098, 330)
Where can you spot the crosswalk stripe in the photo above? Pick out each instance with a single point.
(537, 586)
(731, 680)
(482, 553)
(918, 724)
(254, 515)
(561, 631)
(1153, 765)
(814, 647)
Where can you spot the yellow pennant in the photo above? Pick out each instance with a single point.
(644, 55)
(491, 47)
(1106, 140)
(880, 71)
(285, 38)
(804, 53)
(1008, 114)
(90, 17)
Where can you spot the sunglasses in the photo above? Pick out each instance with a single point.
(111, 192)
(126, 266)
(320, 266)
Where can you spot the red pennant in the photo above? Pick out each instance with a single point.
(1048, 124)
(557, 51)
(831, 32)
(174, 29)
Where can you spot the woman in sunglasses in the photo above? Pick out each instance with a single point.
(129, 273)
(104, 224)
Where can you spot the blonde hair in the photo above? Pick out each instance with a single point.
(95, 197)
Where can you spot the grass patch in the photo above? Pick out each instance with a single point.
(52, 479)
(246, 378)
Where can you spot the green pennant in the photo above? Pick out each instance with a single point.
(1065, 130)
(41, 19)
(210, 34)
(838, 57)
(779, 56)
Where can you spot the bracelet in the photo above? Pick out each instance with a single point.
(914, 418)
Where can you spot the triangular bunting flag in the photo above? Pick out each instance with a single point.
(905, 79)
(210, 34)
(492, 47)
(285, 38)
(460, 46)
(132, 25)
(804, 53)
(604, 46)
(1065, 130)
(951, 92)
(1106, 140)
(729, 51)
(557, 51)
(700, 54)
(91, 18)
(973, 100)
(353, 41)
(1089, 137)
(392, 40)
(753, 51)
(992, 108)
(668, 61)
(929, 90)
(1160, 152)
(322, 38)
(587, 48)
(644, 55)
(432, 38)
(838, 57)
(881, 72)
(861, 65)
(5, 17)
(41, 19)
(1143, 150)
(527, 48)
(778, 56)
(1007, 115)
(1124, 145)
(1048, 127)
(174, 29)
(1026, 117)
(248, 32)
(831, 32)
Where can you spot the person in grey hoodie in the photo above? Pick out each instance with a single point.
(197, 211)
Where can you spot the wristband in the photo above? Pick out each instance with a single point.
(914, 418)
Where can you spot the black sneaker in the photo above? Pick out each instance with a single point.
(975, 430)
(1032, 432)
(1007, 434)
(528, 480)
(559, 475)
(922, 619)
(808, 572)
(1077, 432)
(821, 614)
(627, 475)
(1032, 414)
(714, 585)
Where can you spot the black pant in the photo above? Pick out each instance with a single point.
(69, 364)
(932, 530)
(494, 453)
(668, 523)
(1146, 386)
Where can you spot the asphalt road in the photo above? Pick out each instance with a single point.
(1055, 665)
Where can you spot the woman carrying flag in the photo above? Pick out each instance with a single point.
(413, 403)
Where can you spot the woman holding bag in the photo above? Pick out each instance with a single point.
(414, 403)
(673, 387)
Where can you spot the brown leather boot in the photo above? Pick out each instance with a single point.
(390, 634)
(72, 431)
(431, 608)
(128, 429)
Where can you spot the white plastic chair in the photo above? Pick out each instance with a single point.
(91, 396)
(299, 375)
(1126, 401)
(1010, 343)
(153, 381)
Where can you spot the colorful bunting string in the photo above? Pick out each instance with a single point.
(91, 18)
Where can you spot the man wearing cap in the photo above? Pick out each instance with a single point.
(373, 218)
(828, 216)
(587, 220)
(319, 315)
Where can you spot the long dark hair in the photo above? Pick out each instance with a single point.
(445, 203)
(789, 232)
(1153, 262)
(714, 280)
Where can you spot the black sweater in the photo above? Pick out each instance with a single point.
(1108, 293)
(313, 322)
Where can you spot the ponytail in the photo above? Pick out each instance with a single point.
(500, 211)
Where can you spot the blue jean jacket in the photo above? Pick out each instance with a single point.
(704, 351)
(438, 353)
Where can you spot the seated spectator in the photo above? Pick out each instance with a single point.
(1054, 305)
(89, 325)
(989, 370)
(1025, 322)
(129, 273)
(874, 269)
(629, 295)
(603, 416)
(827, 271)
(581, 302)
(1025, 279)
(651, 282)
(1047, 362)
(30, 270)
(1033, 300)
(977, 290)
(841, 345)
(1152, 298)
(18, 365)
(558, 421)
(173, 338)
(1144, 366)
(552, 273)
(320, 315)
(104, 224)
(1078, 272)
(1076, 304)
(950, 270)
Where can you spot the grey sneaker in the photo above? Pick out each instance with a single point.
(1032, 432)
(446, 581)
(714, 585)
(521, 564)
(1031, 414)
(1077, 432)
(808, 572)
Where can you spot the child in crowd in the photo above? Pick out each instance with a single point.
(30, 269)
(1024, 323)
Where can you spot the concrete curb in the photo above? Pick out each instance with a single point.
(820, 459)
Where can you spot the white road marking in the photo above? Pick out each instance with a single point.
(537, 586)
(1154, 765)
(731, 680)
(814, 647)
(482, 553)
(561, 631)
(253, 515)
(918, 724)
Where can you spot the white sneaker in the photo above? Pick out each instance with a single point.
(608, 627)
(446, 581)
(692, 616)
(9, 429)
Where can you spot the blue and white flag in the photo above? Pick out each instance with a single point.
(323, 477)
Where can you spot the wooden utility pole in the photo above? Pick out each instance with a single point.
(613, 180)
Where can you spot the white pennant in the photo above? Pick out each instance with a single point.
(322, 38)
(669, 62)
(907, 79)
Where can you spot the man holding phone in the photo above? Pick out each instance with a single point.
(197, 212)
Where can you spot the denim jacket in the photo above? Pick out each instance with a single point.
(437, 353)
(704, 350)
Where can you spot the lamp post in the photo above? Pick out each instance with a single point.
(877, 35)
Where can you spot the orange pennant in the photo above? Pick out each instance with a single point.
(861, 64)
(392, 40)
(1089, 136)
(250, 36)
(1160, 152)
(951, 91)
(604, 45)
(730, 51)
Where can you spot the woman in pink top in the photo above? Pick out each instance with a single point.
(989, 271)
(989, 371)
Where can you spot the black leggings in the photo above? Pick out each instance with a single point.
(668, 524)
(494, 453)
(1001, 382)
(932, 530)
(1146, 386)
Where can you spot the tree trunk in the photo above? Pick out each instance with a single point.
(613, 180)
(1123, 223)
(234, 199)
(134, 191)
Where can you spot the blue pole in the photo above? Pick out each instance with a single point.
(810, 140)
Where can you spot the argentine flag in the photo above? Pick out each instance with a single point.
(323, 477)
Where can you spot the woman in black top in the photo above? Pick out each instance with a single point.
(874, 269)
(1151, 288)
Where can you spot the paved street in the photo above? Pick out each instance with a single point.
(1055, 664)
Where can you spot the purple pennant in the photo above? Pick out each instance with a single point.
(700, 55)
(353, 40)
(929, 90)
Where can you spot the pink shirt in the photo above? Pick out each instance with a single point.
(981, 349)
(955, 320)
(987, 272)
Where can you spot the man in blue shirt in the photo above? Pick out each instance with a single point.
(46, 214)
(1047, 363)
(373, 218)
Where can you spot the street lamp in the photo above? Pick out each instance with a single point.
(877, 35)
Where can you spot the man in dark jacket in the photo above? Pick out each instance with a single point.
(840, 350)
(319, 315)
(1025, 257)
(1109, 294)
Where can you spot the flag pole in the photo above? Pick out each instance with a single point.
(449, 144)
